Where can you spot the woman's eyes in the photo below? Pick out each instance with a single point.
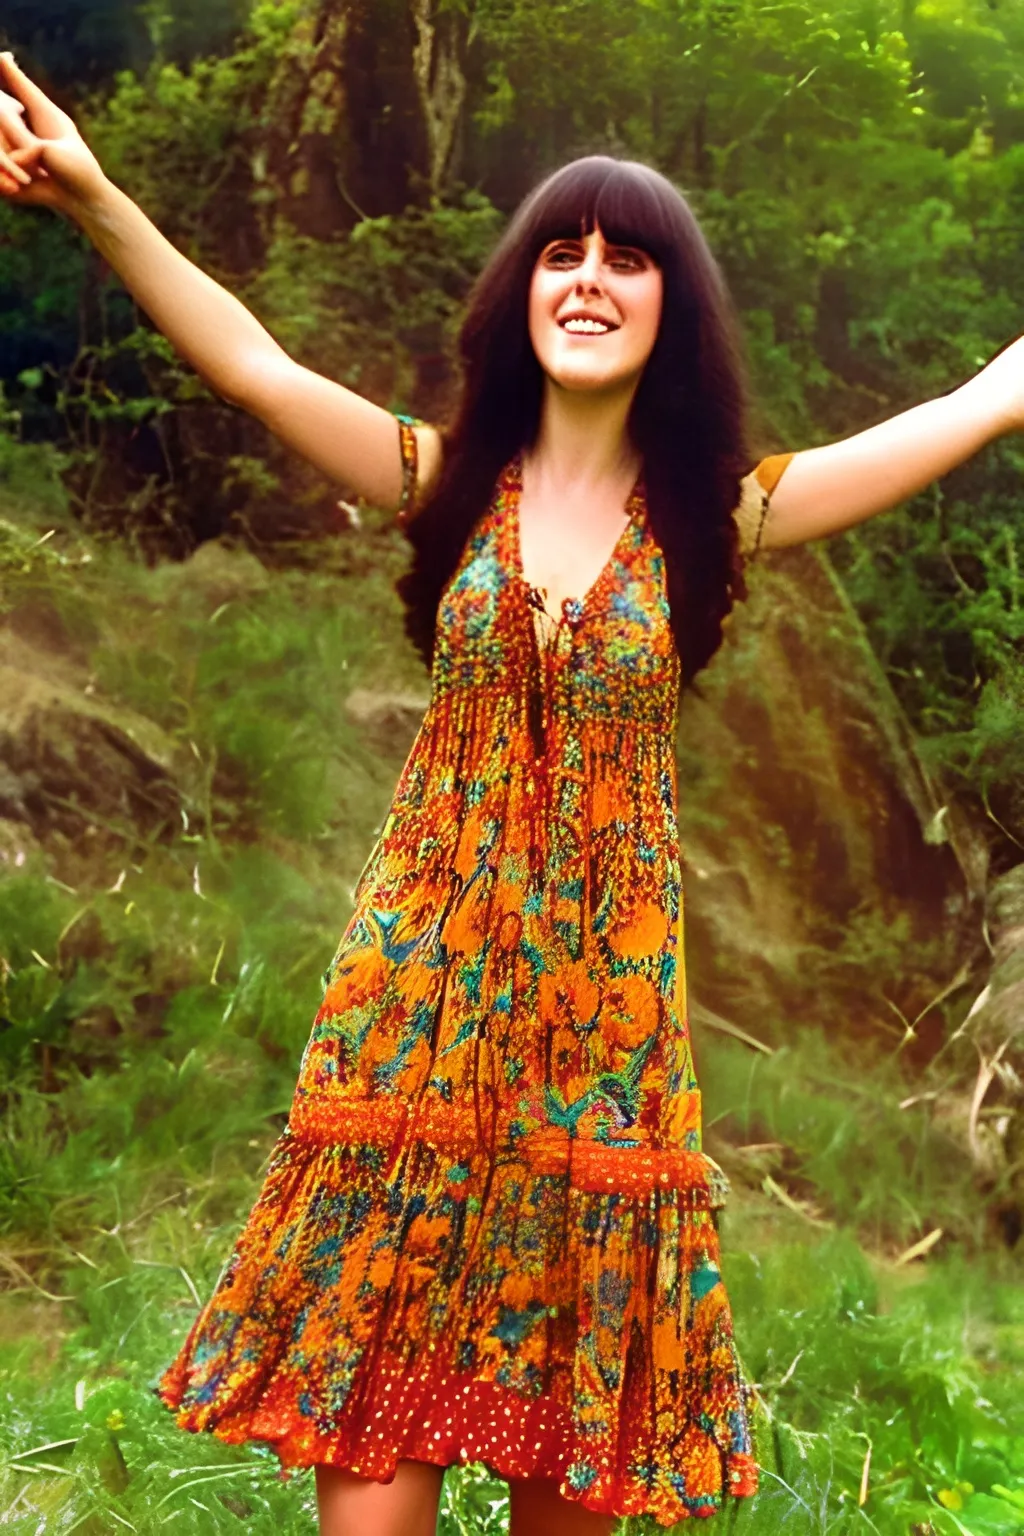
(571, 256)
(562, 256)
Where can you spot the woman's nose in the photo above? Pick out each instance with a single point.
(588, 278)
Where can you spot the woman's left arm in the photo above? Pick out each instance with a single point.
(825, 490)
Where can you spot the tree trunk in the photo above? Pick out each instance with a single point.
(438, 62)
(307, 146)
(361, 104)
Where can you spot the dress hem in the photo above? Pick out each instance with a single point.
(295, 1453)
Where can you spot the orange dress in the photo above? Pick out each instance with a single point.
(489, 1231)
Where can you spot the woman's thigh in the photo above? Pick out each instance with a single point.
(355, 1506)
(538, 1509)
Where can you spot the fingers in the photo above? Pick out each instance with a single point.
(12, 124)
(12, 169)
(47, 120)
(18, 147)
(18, 163)
(30, 157)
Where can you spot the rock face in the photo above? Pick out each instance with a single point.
(995, 1114)
(819, 853)
(1000, 1017)
(389, 718)
(81, 778)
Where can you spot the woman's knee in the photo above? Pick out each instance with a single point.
(350, 1505)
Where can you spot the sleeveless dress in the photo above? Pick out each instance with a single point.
(489, 1231)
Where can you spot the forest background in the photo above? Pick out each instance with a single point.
(205, 697)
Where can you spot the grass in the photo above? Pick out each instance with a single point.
(154, 1012)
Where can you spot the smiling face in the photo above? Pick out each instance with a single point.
(594, 312)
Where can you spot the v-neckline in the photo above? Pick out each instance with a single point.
(635, 504)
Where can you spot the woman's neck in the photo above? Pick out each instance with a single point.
(583, 442)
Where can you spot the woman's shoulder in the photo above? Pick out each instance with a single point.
(421, 448)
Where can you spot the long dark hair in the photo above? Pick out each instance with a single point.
(687, 419)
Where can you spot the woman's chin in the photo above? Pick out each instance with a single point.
(588, 380)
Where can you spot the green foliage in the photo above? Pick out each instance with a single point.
(852, 1361)
(176, 135)
(30, 483)
(282, 751)
(392, 286)
(939, 587)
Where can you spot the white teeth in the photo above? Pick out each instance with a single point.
(587, 327)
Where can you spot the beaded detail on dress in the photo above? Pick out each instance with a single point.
(489, 1230)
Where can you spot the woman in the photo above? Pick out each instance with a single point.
(489, 1231)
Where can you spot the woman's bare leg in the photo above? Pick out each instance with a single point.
(538, 1509)
(355, 1506)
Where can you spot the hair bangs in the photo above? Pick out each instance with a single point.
(631, 204)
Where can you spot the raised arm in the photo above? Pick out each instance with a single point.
(825, 490)
(44, 162)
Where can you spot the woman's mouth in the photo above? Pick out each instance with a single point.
(587, 325)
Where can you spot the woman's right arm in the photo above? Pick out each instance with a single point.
(346, 436)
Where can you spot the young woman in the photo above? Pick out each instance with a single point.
(489, 1231)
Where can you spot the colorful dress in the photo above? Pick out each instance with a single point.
(489, 1232)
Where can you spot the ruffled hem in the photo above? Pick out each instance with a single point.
(588, 1340)
(449, 1422)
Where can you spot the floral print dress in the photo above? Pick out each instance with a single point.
(489, 1231)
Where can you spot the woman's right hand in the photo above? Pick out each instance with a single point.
(44, 161)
